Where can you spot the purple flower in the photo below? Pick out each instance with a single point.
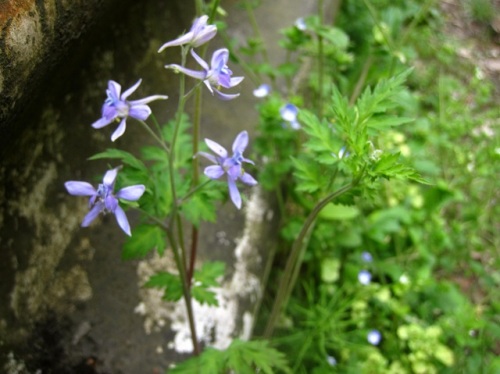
(199, 34)
(262, 91)
(364, 277)
(216, 76)
(102, 200)
(231, 166)
(289, 113)
(374, 337)
(118, 107)
(366, 256)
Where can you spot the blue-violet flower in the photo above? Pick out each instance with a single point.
(262, 91)
(374, 337)
(216, 76)
(102, 200)
(231, 166)
(366, 256)
(289, 113)
(199, 34)
(364, 277)
(117, 107)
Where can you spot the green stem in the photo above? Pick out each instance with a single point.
(180, 260)
(193, 191)
(152, 133)
(186, 292)
(361, 80)
(321, 67)
(295, 259)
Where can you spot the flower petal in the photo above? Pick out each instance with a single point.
(110, 202)
(219, 59)
(140, 112)
(240, 142)
(208, 156)
(78, 188)
(207, 34)
(120, 130)
(183, 39)
(199, 24)
(131, 193)
(214, 171)
(110, 177)
(114, 90)
(131, 90)
(122, 220)
(200, 61)
(233, 192)
(216, 147)
(192, 73)
(94, 212)
(147, 100)
(235, 81)
(224, 96)
(101, 122)
(248, 179)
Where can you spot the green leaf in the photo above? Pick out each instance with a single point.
(126, 157)
(204, 295)
(201, 206)
(382, 97)
(388, 167)
(338, 212)
(321, 138)
(169, 282)
(240, 357)
(384, 122)
(144, 239)
(309, 175)
(209, 273)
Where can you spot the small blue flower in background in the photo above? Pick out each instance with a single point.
(374, 337)
(231, 166)
(364, 277)
(102, 200)
(216, 76)
(331, 360)
(199, 34)
(117, 107)
(300, 23)
(289, 113)
(342, 153)
(262, 91)
(366, 256)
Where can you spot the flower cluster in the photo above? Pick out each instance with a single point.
(118, 108)
(216, 75)
(231, 166)
(102, 199)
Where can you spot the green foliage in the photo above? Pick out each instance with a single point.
(243, 357)
(205, 279)
(170, 283)
(145, 238)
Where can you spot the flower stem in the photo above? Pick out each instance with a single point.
(152, 133)
(186, 292)
(321, 67)
(295, 258)
(175, 217)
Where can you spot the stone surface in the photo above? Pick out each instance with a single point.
(34, 36)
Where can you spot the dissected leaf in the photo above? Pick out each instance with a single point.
(144, 239)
